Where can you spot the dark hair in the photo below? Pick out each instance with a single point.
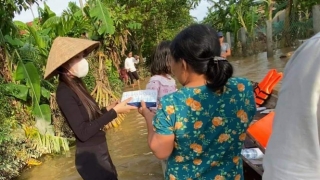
(198, 45)
(79, 88)
(160, 63)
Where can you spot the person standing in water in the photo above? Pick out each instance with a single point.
(82, 113)
(161, 80)
(129, 65)
(225, 47)
(160, 69)
(123, 75)
(201, 127)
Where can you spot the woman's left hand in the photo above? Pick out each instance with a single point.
(145, 112)
(112, 105)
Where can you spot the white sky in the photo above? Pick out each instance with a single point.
(58, 6)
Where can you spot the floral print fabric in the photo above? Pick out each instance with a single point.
(209, 129)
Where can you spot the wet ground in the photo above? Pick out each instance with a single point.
(128, 143)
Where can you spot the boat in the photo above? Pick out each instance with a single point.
(253, 169)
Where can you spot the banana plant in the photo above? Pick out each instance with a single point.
(27, 72)
(100, 13)
(70, 23)
(27, 85)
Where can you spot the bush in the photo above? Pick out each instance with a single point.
(115, 82)
(15, 149)
(9, 164)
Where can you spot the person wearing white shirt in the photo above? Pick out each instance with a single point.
(293, 150)
(129, 65)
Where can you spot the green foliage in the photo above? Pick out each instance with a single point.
(90, 79)
(119, 25)
(5, 108)
(9, 7)
(230, 16)
(26, 71)
(159, 21)
(9, 164)
(7, 10)
(46, 13)
(115, 82)
(70, 23)
(100, 13)
(17, 145)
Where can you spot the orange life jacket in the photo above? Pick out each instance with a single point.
(261, 130)
(264, 89)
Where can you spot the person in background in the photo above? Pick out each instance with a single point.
(225, 47)
(293, 150)
(161, 79)
(123, 74)
(160, 71)
(82, 113)
(137, 58)
(129, 65)
(201, 127)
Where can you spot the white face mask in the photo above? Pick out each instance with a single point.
(80, 69)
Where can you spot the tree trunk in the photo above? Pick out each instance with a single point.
(243, 40)
(316, 18)
(269, 39)
(287, 23)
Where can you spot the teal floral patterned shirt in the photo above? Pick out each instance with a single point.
(209, 129)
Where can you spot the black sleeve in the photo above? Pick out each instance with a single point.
(104, 110)
(70, 109)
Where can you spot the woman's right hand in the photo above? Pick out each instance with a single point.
(123, 107)
(145, 112)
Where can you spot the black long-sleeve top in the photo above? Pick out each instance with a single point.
(87, 132)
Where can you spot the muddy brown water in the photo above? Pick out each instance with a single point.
(128, 143)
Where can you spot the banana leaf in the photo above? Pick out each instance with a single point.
(45, 93)
(29, 73)
(101, 13)
(18, 91)
(13, 41)
(44, 124)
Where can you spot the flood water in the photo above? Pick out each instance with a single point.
(128, 143)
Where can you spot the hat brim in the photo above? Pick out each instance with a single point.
(51, 72)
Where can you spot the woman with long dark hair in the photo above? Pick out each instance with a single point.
(86, 119)
(201, 127)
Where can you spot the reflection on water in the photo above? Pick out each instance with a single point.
(256, 67)
(128, 143)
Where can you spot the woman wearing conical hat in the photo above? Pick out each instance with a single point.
(86, 119)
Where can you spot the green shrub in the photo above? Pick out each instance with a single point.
(116, 84)
(10, 165)
(15, 149)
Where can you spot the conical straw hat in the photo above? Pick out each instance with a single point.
(65, 48)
